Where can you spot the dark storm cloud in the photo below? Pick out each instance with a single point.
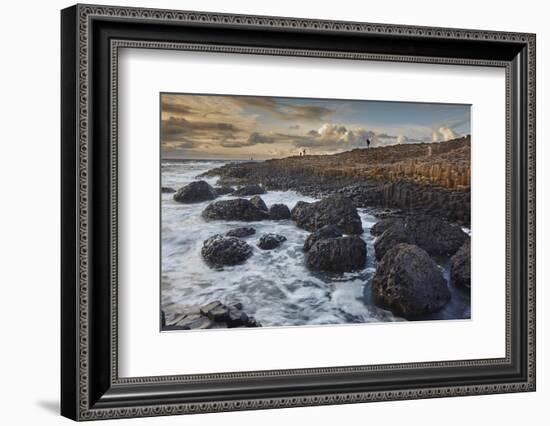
(175, 108)
(257, 138)
(174, 129)
(284, 110)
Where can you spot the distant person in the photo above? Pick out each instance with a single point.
(368, 143)
(304, 152)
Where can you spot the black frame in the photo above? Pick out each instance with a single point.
(91, 37)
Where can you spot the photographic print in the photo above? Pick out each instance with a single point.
(303, 211)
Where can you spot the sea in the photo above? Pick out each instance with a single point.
(274, 286)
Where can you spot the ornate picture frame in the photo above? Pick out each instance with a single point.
(91, 37)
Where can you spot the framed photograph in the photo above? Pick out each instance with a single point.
(263, 212)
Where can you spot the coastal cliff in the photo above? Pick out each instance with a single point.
(430, 178)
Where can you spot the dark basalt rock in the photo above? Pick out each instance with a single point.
(409, 282)
(193, 322)
(232, 315)
(435, 235)
(379, 227)
(240, 232)
(279, 212)
(299, 211)
(341, 254)
(195, 192)
(220, 250)
(249, 190)
(326, 232)
(334, 210)
(460, 266)
(390, 237)
(212, 315)
(270, 241)
(166, 190)
(235, 209)
(223, 190)
(258, 202)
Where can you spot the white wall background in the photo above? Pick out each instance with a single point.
(29, 225)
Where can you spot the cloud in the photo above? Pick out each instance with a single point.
(257, 138)
(176, 127)
(283, 109)
(171, 107)
(443, 134)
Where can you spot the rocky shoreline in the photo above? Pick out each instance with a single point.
(426, 178)
(407, 280)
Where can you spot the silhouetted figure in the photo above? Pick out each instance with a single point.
(368, 142)
(304, 152)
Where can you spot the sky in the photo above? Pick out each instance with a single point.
(261, 127)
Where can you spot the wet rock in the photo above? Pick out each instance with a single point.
(231, 315)
(258, 202)
(235, 209)
(334, 210)
(166, 190)
(409, 282)
(270, 241)
(435, 235)
(240, 232)
(386, 213)
(379, 227)
(212, 315)
(195, 192)
(192, 322)
(326, 232)
(390, 237)
(279, 212)
(341, 254)
(249, 190)
(299, 211)
(223, 190)
(216, 311)
(220, 250)
(460, 266)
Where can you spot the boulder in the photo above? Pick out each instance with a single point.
(258, 202)
(342, 254)
(270, 241)
(249, 190)
(279, 212)
(212, 315)
(166, 190)
(435, 235)
(379, 227)
(326, 232)
(235, 209)
(334, 210)
(460, 266)
(240, 232)
(223, 190)
(299, 211)
(220, 250)
(409, 282)
(230, 315)
(390, 237)
(195, 192)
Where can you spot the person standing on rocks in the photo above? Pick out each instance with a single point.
(368, 143)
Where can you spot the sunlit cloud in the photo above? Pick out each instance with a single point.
(227, 126)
